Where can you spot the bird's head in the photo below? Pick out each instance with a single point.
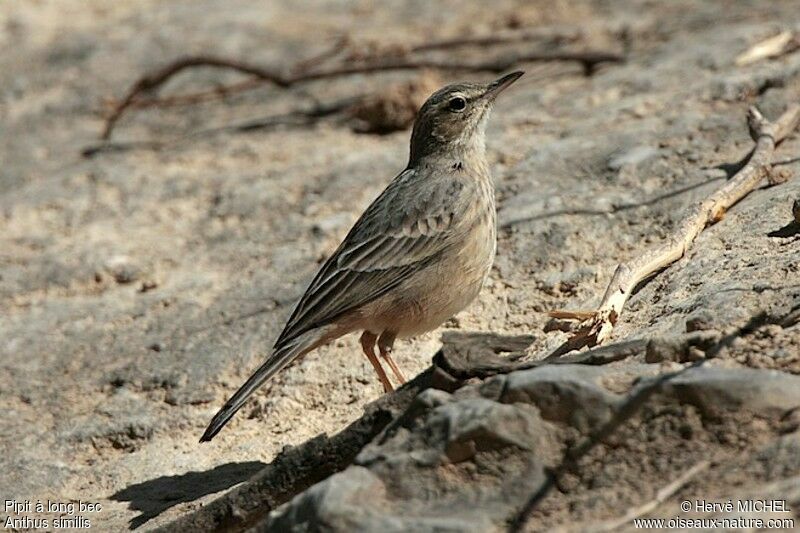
(454, 118)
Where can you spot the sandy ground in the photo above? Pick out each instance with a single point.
(139, 289)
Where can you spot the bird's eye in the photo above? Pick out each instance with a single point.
(457, 104)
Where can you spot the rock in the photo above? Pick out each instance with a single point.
(681, 348)
(563, 393)
(122, 269)
(699, 321)
(468, 354)
(632, 157)
(456, 430)
(715, 390)
(356, 500)
(438, 441)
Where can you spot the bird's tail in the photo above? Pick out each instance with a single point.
(280, 358)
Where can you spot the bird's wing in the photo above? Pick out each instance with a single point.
(404, 230)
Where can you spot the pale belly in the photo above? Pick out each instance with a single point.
(436, 293)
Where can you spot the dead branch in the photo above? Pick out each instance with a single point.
(298, 117)
(605, 210)
(216, 93)
(785, 42)
(489, 40)
(310, 70)
(590, 60)
(223, 91)
(152, 80)
(338, 47)
(628, 276)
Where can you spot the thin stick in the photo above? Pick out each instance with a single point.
(298, 117)
(197, 97)
(338, 47)
(150, 81)
(590, 60)
(582, 315)
(489, 40)
(224, 90)
(783, 43)
(661, 496)
(627, 276)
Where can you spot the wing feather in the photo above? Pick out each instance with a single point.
(403, 231)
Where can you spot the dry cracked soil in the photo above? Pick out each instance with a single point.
(140, 287)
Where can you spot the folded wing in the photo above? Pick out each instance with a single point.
(384, 248)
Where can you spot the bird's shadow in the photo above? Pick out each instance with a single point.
(157, 495)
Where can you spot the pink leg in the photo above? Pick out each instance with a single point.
(368, 345)
(385, 345)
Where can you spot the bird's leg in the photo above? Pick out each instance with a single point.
(385, 345)
(368, 345)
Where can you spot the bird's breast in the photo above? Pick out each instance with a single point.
(448, 285)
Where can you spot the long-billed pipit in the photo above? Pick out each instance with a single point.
(418, 255)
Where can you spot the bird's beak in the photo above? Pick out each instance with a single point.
(497, 86)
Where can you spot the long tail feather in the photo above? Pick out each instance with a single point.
(277, 361)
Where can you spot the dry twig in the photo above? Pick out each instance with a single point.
(336, 50)
(628, 276)
(297, 117)
(783, 43)
(495, 39)
(312, 70)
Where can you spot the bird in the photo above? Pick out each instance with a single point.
(418, 255)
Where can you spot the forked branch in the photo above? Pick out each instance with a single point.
(314, 69)
(599, 325)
